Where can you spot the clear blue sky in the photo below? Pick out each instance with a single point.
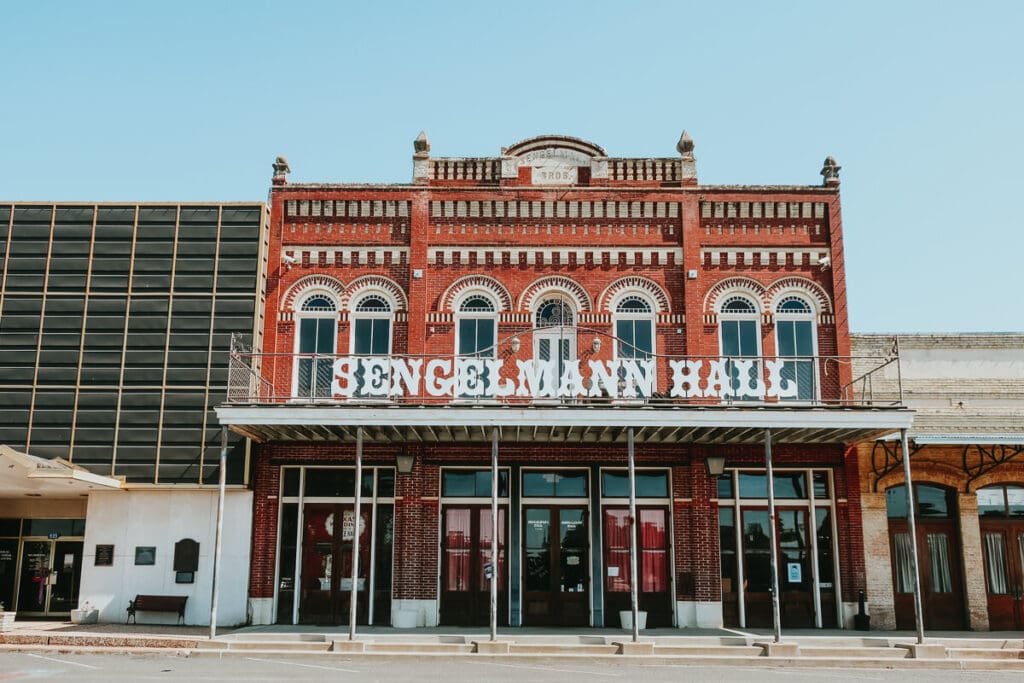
(921, 103)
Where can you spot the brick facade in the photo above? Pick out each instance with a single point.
(608, 226)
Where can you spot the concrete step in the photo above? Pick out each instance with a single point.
(286, 645)
(854, 652)
(984, 653)
(419, 648)
(518, 648)
(708, 650)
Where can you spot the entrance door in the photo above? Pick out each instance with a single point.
(653, 562)
(34, 584)
(941, 584)
(49, 579)
(465, 587)
(796, 581)
(1004, 573)
(556, 581)
(328, 534)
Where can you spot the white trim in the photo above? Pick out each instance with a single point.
(759, 416)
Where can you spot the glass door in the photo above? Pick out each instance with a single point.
(653, 561)
(328, 535)
(556, 581)
(1003, 544)
(66, 569)
(796, 578)
(466, 552)
(34, 585)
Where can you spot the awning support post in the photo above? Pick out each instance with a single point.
(355, 535)
(495, 564)
(218, 538)
(633, 578)
(912, 528)
(773, 535)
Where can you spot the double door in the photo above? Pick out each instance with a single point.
(329, 532)
(466, 566)
(796, 579)
(556, 580)
(1003, 542)
(653, 592)
(49, 576)
(942, 591)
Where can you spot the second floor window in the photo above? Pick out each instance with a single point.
(371, 326)
(740, 338)
(794, 332)
(317, 337)
(477, 327)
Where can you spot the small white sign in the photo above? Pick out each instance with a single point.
(613, 571)
(794, 572)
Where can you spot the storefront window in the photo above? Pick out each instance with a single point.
(566, 484)
(615, 484)
(472, 483)
(788, 485)
(727, 542)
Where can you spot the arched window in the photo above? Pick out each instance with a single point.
(477, 327)
(634, 327)
(316, 343)
(554, 336)
(740, 338)
(371, 326)
(1001, 501)
(796, 340)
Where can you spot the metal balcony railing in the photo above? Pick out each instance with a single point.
(514, 377)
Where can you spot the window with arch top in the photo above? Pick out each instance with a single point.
(316, 343)
(371, 326)
(739, 322)
(477, 327)
(634, 328)
(795, 338)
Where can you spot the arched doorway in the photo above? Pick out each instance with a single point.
(1001, 512)
(938, 548)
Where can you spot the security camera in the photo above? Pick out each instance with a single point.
(289, 259)
(824, 262)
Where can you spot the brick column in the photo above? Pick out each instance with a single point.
(880, 595)
(972, 560)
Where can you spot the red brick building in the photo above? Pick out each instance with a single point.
(559, 305)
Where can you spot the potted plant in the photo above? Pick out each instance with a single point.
(6, 619)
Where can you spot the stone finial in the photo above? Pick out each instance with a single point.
(830, 171)
(421, 145)
(685, 145)
(281, 169)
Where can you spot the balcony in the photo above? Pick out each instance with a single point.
(668, 399)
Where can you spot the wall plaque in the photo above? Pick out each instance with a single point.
(145, 554)
(104, 556)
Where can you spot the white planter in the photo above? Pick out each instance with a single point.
(85, 616)
(626, 618)
(6, 621)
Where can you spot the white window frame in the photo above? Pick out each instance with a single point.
(355, 315)
(460, 315)
(301, 315)
(811, 316)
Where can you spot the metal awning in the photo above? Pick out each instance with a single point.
(562, 424)
(22, 474)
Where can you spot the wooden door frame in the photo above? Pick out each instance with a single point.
(645, 600)
(554, 532)
(950, 525)
(1012, 530)
(475, 551)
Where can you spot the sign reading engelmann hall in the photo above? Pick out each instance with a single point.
(469, 377)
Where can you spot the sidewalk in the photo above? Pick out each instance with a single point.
(816, 648)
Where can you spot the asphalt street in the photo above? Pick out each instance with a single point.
(24, 666)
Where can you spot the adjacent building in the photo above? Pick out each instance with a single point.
(561, 307)
(115, 325)
(967, 471)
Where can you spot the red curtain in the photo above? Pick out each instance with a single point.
(654, 556)
(458, 546)
(616, 543)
